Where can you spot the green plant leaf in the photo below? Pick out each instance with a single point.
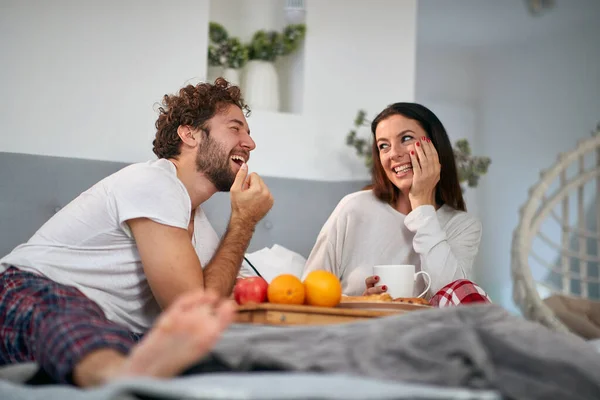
(360, 118)
(463, 146)
(213, 56)
(291, 37)
(350, 138)
(217, 33)
(268, 45)
(236, 53)
(265, 46)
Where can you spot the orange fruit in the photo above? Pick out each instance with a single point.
(322, 289)
(286, 289)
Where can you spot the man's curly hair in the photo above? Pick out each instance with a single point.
(192, 106)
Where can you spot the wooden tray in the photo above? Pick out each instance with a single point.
(382, 306)
(282, 314)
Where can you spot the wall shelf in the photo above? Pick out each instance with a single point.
(241, 19)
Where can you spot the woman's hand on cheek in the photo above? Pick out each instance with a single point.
(426, 173)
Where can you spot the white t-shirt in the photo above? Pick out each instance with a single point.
(88, 244)
(363, 231)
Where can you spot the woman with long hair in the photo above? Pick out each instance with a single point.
(413, 213)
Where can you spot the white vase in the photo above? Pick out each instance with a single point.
(261, 86)
(232, 76)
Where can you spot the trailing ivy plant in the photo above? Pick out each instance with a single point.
(268, 45)
(265, 46)
(470, 168)
(229, 52)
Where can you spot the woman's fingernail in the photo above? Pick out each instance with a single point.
(424, 138)
(418, 144)
(412, 153)
(384, 288)
(376, 278)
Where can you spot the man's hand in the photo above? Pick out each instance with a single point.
(251, 199)
(250, 202)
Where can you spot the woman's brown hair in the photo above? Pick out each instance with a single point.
(448, 190)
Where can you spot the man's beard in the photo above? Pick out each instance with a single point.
(213, 161)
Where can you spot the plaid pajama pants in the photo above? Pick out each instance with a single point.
(459, 292)
(53, 325)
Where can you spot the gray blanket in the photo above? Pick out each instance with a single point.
(480, 346)
(476, 347)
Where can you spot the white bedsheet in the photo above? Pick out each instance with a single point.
(248, 386)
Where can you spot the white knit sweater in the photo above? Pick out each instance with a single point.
(363, 231)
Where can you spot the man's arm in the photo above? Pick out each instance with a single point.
(221, 272)
(170, 262)
(172, 266)
(250, 202)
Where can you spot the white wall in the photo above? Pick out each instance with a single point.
(447, 82)
(348, 66)
(358, 55)
(537, 100)
(447, 75)
(242, 18)
(80, 78)
(522, 104)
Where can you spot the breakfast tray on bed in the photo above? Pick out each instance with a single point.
(283, 314)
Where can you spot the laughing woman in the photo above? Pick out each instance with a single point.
(414, 214)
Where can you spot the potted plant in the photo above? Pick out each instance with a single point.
(470, 168)
(261, 83)
(226, 52)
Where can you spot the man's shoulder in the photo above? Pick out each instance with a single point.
(152, 167)
(144, 173)
(149, 182)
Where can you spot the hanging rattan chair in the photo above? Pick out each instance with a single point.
(555, 245)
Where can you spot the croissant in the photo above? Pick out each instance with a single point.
(384, 297)
(412, 300)
(372, 297)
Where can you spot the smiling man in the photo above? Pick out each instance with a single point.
(77, 297)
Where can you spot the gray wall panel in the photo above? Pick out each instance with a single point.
(33, 187)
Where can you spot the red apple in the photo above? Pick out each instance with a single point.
(250, 290)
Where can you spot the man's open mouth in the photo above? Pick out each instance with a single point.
(239, 160)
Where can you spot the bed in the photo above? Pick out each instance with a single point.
(250, 386)
(407, 357)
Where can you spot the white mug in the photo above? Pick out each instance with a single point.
(400, 279)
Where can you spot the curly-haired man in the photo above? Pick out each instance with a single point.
(79, 295)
